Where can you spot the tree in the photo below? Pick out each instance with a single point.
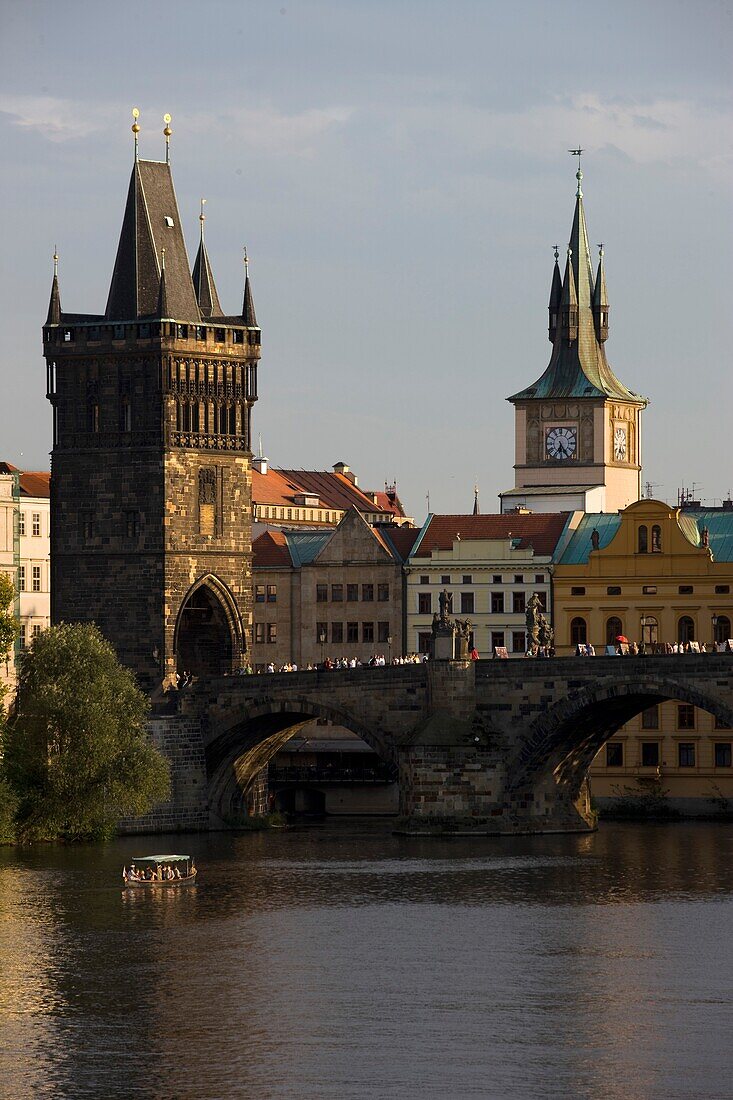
(8, 634)
(77, 751)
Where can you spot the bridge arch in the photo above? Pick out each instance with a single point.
(563, 741)
(243, 744)
(208, 636)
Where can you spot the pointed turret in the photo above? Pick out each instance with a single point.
(600, 300)
(569, 300)
(203, 280)
(54, 305)
(248, 307)
(555, 300)
(163, 310)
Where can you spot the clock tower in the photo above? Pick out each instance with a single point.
(577, 428)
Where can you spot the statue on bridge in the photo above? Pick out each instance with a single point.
(450, 637)
(445, 602)
(540, 635)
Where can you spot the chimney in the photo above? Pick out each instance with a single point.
(342, 468)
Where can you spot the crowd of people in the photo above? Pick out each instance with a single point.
(162, 872)
(378, 660)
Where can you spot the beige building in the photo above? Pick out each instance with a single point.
(24, 552)
(490, 565)
(329, 594)
(660, 576)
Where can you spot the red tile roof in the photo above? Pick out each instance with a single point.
(32, 483)
(334, 490)
(402, 538)
(541, 530)
(270, 548)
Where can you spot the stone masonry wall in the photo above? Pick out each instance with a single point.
(180, 740)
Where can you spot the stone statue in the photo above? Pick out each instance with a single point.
(546, 634)
(445, 600)
(595, 539)
(705, 536)
(532, 619)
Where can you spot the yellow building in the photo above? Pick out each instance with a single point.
(660, 577)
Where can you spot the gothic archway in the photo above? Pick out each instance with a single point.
(208, 636)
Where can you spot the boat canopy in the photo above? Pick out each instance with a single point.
(158, 859)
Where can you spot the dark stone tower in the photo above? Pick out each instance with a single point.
(151, 480)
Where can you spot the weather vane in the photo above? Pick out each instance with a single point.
(578, 175)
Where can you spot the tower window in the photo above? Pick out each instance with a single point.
(643, 539)
(207, 501)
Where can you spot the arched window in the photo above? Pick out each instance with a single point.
(686, 629)
(614, 629)
(656, 539)
(643, 539)
(578, 631)
(722, 628)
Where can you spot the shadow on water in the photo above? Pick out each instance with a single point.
(347, 962)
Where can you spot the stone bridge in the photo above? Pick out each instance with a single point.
(493, 746)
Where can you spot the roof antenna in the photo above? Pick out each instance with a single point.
(167, 132)
(135, 127)
(578, 175)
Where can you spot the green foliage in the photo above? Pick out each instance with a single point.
(8, 810)
(8, 623)
(77, 753)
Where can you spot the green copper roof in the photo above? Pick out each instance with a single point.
(578, 367)
(578, 549)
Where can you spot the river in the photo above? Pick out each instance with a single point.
(341, 962)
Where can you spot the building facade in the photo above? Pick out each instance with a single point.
(24, 553)
(151, 490)
(660, 577)
(332, 593)
(577, 428)
(490, 565)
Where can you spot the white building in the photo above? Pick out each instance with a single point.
(24, 552)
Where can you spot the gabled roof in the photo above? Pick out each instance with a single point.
(541, 531)
(151, 223)
(270, 549)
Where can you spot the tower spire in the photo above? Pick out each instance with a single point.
(248, 307)
(163, 310)
(203, 279)
(600, 300)
(476, 510)
(54, 305)
(555, 299)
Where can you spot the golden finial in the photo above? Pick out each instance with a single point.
(135, 126)
(167, 132)
(202, 217)
(55, 261)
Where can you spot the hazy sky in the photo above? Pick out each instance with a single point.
(398, 171)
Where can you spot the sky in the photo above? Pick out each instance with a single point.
(399, 174)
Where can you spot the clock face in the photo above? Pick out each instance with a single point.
(619, 444)
(561, 443)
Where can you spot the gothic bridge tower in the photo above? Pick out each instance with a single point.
(151, 477)
(577, 428)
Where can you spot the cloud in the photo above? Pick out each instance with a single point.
(264, 127)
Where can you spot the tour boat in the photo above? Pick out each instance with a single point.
(188, 873)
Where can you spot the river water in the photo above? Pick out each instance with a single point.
(342, 962)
